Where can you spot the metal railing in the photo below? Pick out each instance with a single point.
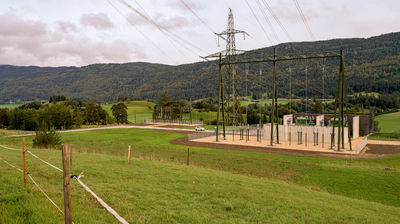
(199, 135)
(176, 121)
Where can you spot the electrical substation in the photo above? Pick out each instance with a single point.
(338, 132)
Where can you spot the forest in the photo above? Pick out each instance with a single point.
(61, 114)
(371, 65)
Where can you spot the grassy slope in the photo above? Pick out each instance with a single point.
(390, 123)
(390, 127)
(150, 191)
(358, 178)
(10, 106)
(141, 108)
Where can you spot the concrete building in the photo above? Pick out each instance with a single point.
(318, 127)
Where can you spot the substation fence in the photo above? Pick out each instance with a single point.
(68, 218)
(176, 121)
(199, 135)
(360, 146)
(239, 133)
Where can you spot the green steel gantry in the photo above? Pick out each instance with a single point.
(256, 57)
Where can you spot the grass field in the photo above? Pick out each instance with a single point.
(262, 102)
(143, 112)
(364, 179)
(389, 123)
(371, 93)
(10, 106)
(154, 191)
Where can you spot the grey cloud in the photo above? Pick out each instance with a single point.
(136, 19)
(192, 4)
(66, 26)
(11, 25)
(171, 23)
(40, 46)
(288, 11)
(99, 21)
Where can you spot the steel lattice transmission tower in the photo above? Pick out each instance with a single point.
(228, 94)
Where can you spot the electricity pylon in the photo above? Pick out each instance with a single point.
(228, 82)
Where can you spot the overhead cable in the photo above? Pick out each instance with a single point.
(141, 32)
(162, 31)
(259, 22)
(277, 20)
(266, 18)
(304, 19)
(158, 26)
(198, 17)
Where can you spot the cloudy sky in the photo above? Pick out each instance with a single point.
(77, 33)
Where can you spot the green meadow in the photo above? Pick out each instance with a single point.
(219, 186)
(10, 106)
(143, 109)
(235, 186)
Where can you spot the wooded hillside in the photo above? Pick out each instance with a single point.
(372, 65)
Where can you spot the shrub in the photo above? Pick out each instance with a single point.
(47, 139)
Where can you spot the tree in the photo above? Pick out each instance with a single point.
(376, 126)
(318, 108)
(46, 139)
(120, 113)
(164, 98)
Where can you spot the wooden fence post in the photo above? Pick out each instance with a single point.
(70, 154)
(24, 161)
(67, 192)
(188, 157)
(129, 156)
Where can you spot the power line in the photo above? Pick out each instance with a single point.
(259, 22)
(162, 31)
(304, 19)
(266, 18)
(198, 17)
(175, 37)
(141, 32)
(277, 20)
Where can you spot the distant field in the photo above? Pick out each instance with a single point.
(371, 93)
(10, 106)
(143, 112)
(268, 102)
(389, 123)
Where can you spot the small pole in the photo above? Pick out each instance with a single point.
(23, 159)
(70, 154)
(188, 157)
(305, 140)
(67, 192)
(129, 156)
(135, 116)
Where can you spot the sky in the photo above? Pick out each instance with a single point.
(78, 33)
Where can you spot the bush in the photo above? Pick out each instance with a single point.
(47, 139)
